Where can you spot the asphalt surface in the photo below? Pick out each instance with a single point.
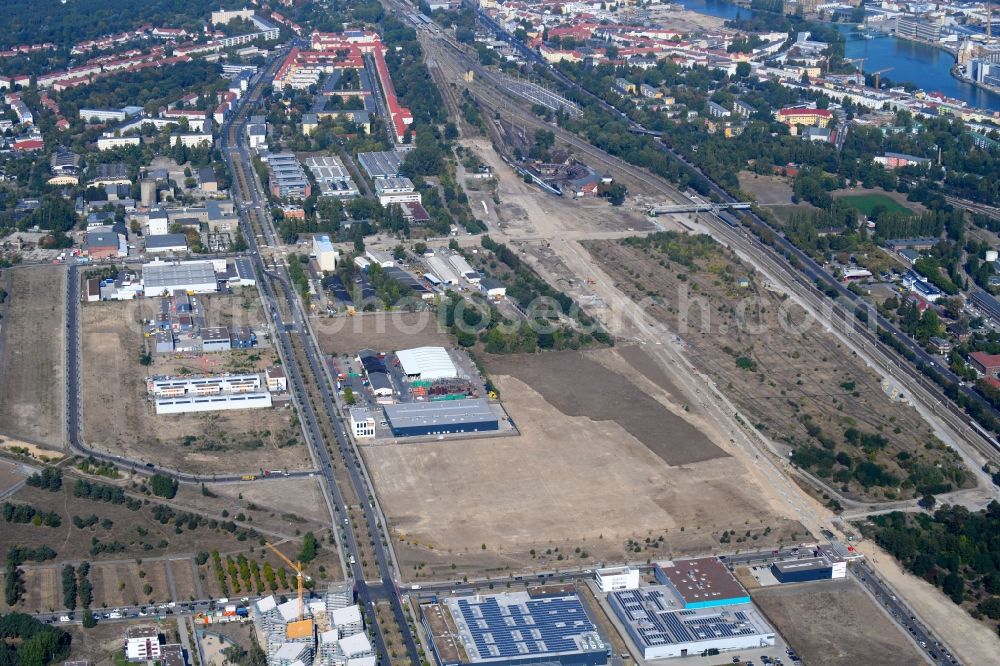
(902, 614)
(367, 593)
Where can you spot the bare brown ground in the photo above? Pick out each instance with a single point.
(616, 399)
(33, 342)
(184, 585)
(767, 190)
(119, 583)
(9, 475)
(100, 644)
(834, 623)
(284, 504)
(21, 448)
(383, 331)
(567, 482)
(527, 212)
(118, 417)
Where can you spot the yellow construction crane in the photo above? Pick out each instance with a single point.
(302, 627)
(878, 76)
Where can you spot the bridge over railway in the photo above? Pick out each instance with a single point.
(707, 207)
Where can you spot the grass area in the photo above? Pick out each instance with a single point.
(867, 203)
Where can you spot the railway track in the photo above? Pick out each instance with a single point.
(492, 100)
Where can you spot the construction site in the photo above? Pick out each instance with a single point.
(125, 418)
(325, 630)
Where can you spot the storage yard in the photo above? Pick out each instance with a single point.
(32, 344)
(119, 417)
(835, 623)
(566, 481)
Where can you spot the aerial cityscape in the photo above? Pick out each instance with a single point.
(500, 332)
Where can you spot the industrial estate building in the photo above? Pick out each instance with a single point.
(411, 419)
(539, 626)
(362, 422)
(427, 363)
(326, 255)
(166, 243)
(422, 392)
(212, 403)
(396, 190)
(615, 579)
(382, 164)
(809, 569)
(331, 176)
(179, 395)
(661, 628)
(703, 582)
(697, 606)
(191, 276)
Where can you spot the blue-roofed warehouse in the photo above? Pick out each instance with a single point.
(512, 629)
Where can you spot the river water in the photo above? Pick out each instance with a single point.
(924, 66)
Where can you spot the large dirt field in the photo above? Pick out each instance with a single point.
(798, 383)
(667, 435)
(119, 418)
(383, 331)
(567, 482)
(834, 623)
(32, 342)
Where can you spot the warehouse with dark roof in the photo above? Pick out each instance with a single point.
(444, 417)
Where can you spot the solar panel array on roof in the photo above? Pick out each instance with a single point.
(652, 620)
(498, 628)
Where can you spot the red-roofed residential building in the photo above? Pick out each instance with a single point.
(988, 364)
(812, 117)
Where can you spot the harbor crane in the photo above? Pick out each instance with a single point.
(302, 627)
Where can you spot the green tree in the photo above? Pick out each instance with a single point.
(309, 548)
(163, 485)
